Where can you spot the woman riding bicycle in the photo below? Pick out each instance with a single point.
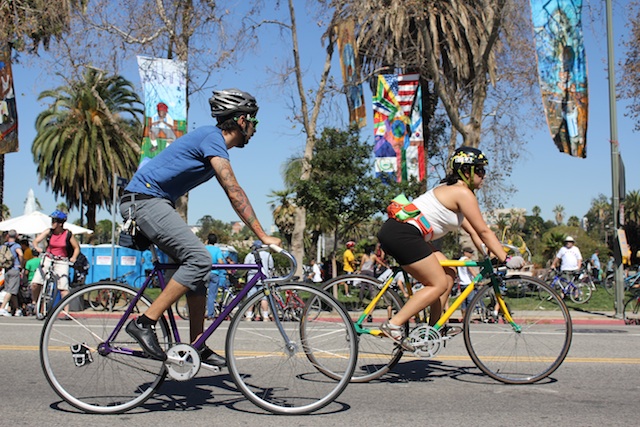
(445, 208)
(61, 246)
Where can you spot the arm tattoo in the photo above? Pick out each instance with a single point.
(238, 198)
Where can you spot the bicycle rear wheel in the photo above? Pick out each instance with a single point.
(631, 312)
(280, 375)
(377, 355)
(82, 370)
(520, 356)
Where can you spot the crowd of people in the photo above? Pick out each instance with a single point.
(28, 261)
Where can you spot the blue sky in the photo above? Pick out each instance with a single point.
(543, 176)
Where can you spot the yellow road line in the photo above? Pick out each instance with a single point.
(611, 360)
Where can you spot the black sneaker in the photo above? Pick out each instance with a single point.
(210, 357)
(145, 335)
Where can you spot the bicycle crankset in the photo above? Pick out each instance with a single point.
(183, 362)
(426, 340)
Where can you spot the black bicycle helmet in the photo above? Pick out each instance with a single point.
(467, 156)
(232, 102)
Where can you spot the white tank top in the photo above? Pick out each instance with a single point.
(442, 220)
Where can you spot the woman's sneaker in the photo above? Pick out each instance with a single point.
(396, 333)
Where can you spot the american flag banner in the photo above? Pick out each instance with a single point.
(397, 125)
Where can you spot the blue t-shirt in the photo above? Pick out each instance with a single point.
(181, 166)
(216, 255)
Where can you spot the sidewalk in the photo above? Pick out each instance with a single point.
(584, 317)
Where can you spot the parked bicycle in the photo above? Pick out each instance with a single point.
(629, 282)
(631, 311)
(579, 292)
(95, 366)
(226, 294)
(110, 299)
(527, 342)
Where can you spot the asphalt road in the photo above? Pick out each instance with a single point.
(598, 384)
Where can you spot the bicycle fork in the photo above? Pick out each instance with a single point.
(290, 347)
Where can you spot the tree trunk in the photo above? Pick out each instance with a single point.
(297, 240)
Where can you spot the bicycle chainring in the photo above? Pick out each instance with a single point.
(183, 362)
(426, 340)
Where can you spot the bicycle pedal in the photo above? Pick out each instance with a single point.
(212, 368)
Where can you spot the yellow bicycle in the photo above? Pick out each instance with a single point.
(525, 342)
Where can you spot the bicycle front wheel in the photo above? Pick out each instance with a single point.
(90, 373)
(45, 301)
(529, 352)
(273, 363)
(580, 293)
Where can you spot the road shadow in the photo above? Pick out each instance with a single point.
(428, 371)
(213, 391)
(595, 313)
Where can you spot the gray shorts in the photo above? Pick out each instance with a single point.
(160, 222)
(12, 281)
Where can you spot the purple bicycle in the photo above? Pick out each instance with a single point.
(93, 364)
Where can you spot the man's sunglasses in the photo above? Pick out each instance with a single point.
(479, 170)
(253, 121)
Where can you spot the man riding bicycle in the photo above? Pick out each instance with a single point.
(149, 201)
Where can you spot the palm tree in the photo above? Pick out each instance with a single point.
(284, 213)
(559, 213)
(632, 206)
(87, 135)
(536, 210)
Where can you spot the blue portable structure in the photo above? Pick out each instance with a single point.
(126, 260)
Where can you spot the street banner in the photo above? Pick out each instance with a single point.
(8, 110)
(397, 125)
(351, 73)
(164, 84)
(562, 69)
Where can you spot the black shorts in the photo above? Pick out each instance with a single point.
(403, 242)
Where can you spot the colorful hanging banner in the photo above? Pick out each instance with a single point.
(397, 126)
(164, 83)
(562, 69)
(8, 110)
(351, 73)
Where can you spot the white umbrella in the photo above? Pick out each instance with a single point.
(35, 223)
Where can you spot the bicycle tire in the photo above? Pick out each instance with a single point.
(281, 377)
(377, 355)
(580, 293)
(112, 382)
(95, 300)
(528, 355)
(181, 308)
(631, 311)
(46, 299)
(607, 284)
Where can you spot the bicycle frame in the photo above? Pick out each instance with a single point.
(486, 271)
(157, 272)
